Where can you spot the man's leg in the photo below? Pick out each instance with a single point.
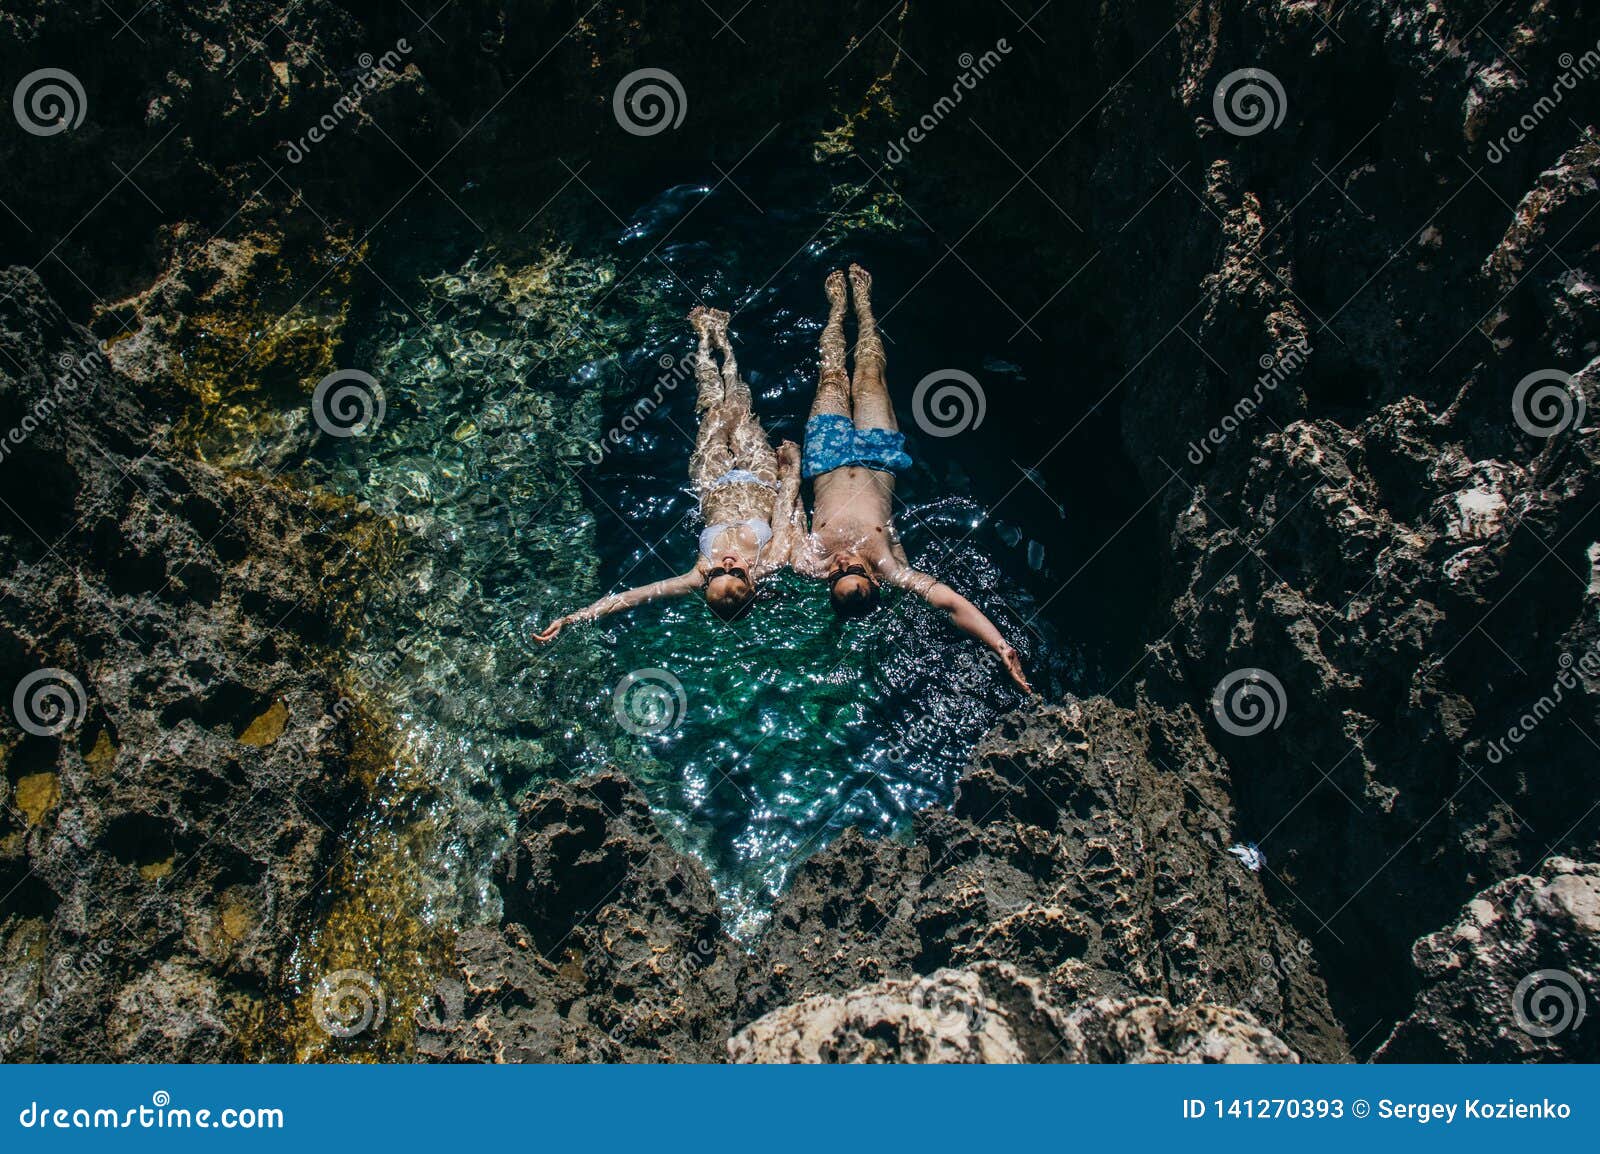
(833, 383)
(869, 395)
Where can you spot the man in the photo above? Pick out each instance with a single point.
(853, 448)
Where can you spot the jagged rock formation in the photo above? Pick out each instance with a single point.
(1376, 528)
(990, 1013)
(1087, 846)
(1320, 391)
(184, 813)
(1514, 979)
(612, 947)
(1072, 854)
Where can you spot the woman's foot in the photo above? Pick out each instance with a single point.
(708, 321)
(834, 287)
(861, 286)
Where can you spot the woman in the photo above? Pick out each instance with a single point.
(740, 482)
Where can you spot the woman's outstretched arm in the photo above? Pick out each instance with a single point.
(627, 599)
(788, 510)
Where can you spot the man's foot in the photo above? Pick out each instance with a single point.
(834, 287)
(861, 286)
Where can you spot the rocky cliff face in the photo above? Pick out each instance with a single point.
(175, 774)
(1348, 319)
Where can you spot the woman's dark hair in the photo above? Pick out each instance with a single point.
(732, 608)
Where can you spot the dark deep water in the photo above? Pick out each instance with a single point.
(507, 361)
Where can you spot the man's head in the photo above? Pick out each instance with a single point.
(852, 586)
(730, 589)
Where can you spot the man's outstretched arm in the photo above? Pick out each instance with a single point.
(964, 615)
(617, 602)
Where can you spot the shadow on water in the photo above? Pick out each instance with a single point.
(528, 477)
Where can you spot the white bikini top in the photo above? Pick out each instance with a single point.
(710, 533)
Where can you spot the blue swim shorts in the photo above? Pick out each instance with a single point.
(833, 441)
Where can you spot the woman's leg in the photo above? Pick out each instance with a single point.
(706, 377)
(713, 452)
(748, 440)
(753, 450)
(869, 394)
(833, 383)
(734, 388)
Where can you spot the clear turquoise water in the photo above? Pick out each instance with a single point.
(504, 363)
